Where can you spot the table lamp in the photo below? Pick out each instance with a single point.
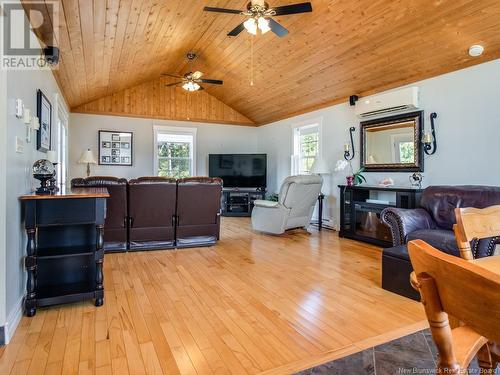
(87, 158)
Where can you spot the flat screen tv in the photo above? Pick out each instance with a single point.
(239, 170)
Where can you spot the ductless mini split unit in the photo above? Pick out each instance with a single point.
(388, 103)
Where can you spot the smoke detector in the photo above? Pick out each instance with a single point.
(476, 50)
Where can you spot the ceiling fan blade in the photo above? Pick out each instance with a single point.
(237, 30)
(277, 28)
(171, 75)
(293, 9)
(173, 84)
(212, 81)
(197, 75)
(221, 10)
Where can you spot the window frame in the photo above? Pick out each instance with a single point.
(61, 139)
(296, 149)
(174, 130)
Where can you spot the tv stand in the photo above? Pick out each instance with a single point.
(239, 202)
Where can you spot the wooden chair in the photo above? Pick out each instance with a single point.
(476, 224)
(450, 285)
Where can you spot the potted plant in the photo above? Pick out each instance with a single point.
(352, 178)
(358, 177)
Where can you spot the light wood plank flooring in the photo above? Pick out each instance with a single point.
(252, 304)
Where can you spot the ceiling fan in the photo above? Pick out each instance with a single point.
(191, 80)
(261, 17)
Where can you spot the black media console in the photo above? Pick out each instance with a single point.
(239, 202)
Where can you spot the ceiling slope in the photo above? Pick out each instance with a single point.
(343, 47)
(153, 100)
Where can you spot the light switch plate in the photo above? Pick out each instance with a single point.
(19, 108)
(19, 145)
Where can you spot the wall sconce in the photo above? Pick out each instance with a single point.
(347, 149)
(429, 138)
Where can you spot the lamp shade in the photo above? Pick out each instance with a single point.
(52, 156)
(87, 157)
(320, 166)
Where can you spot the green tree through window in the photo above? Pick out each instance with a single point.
(174, 155)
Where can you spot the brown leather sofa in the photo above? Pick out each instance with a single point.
(195, 226)
(152, 202)
(116, 228)
(159, 213)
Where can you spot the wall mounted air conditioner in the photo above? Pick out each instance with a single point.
(388, 103)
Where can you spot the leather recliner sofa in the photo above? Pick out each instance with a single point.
(194, 226)
(152, 202)
(159, 212)
(433, 221)
(116, 226)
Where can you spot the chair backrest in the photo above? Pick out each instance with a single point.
(474, 224)
(198, 200)
(300, 193)
(152, 202)
(464, 290)
(116, 205)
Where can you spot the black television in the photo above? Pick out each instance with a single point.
(239, 170)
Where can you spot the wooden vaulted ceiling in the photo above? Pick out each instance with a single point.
(343, 47)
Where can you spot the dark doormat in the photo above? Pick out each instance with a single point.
(412, 354)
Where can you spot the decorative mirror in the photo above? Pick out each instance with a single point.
(392, 144)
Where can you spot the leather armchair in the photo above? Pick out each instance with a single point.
(152, 203)
(198, 211)
(294, 209)
(433, 221)
(115, 224)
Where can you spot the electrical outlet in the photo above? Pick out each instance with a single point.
(19, 145)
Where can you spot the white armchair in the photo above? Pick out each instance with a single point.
(295, 206)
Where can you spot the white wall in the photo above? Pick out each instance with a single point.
(16, 180)
(467, 127)
(211, 138)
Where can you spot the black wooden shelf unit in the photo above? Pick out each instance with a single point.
(64, 253)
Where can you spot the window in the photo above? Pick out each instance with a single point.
(175, 151)
(306, 143)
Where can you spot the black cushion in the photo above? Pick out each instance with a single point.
(441, 239)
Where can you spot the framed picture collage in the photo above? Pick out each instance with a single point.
(115, 148)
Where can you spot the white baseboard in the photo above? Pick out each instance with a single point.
(13, 321)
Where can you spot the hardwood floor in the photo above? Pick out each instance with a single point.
(252, 304)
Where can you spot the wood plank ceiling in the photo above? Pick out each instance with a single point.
(343, 47)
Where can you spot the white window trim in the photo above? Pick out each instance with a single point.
(173, 130)
(316, 121)
(62, 116)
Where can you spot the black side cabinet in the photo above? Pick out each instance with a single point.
(360, 208)
(64, 252)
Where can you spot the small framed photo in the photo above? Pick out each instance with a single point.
(44, 113)
(115, 148)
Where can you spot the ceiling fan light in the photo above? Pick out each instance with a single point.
(251, 26)
(263, 25)
(191, 86)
